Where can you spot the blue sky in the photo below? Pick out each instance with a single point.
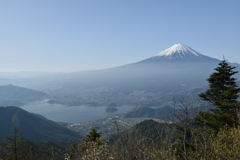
(74, 35)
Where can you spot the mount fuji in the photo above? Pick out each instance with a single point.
(179, 53)
(171, 69)
(176, 66)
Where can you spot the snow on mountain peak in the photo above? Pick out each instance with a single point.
(178, 50)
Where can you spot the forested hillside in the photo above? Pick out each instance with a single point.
(11, 95)
(33, 127)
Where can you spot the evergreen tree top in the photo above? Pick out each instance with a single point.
(93, 136)
(222, 86)
(223, 94)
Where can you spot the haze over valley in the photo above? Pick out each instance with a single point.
(176, 72)
(119, 80)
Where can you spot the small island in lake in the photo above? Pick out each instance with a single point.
(111, 109)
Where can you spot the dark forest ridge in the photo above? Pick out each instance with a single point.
(34, 127)
(11, 95)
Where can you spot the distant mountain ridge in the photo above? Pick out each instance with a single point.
(164, 113)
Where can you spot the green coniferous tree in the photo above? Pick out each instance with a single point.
(223, 94)
(93, 136)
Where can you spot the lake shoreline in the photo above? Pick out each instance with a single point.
(70, 114)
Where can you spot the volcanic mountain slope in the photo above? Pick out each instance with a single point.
(171, 69)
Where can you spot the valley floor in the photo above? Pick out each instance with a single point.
(108, 125)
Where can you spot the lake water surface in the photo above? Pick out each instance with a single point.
(59, 113)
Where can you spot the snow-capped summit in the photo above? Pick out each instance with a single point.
(178, 51)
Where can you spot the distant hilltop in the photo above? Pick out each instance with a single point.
(11, 95)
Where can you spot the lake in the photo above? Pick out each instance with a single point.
(59, 113)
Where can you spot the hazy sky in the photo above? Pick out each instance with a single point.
(74, 35)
